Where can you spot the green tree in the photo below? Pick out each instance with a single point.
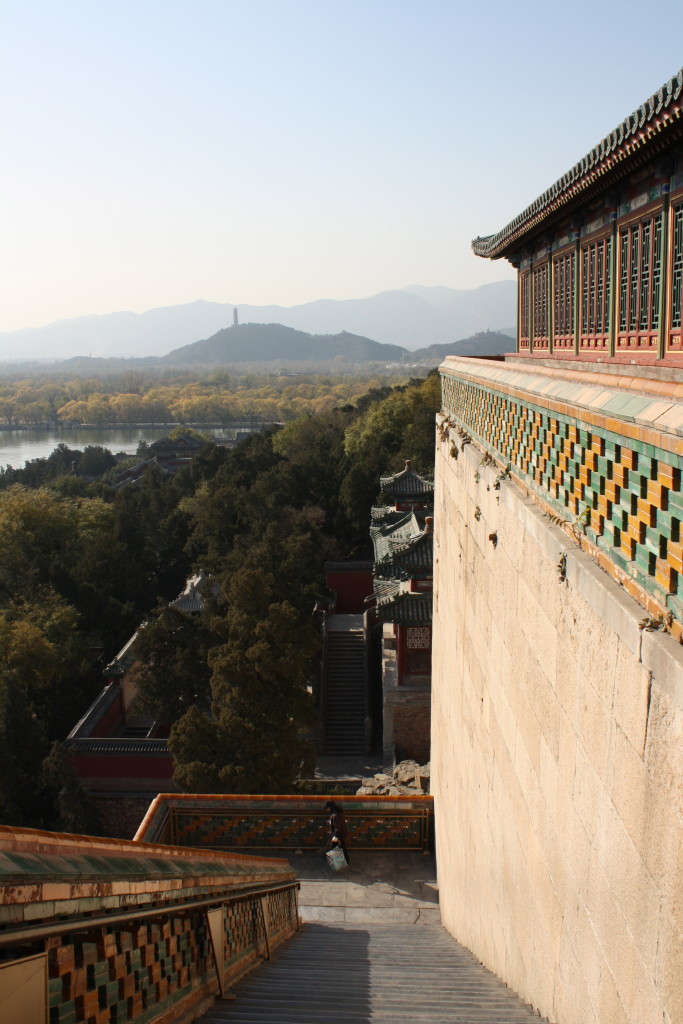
(399, 426)
(172, 671)
(41, 655)
(95, 460)
(77, 811)
(252, 740)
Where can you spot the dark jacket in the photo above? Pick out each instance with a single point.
(338, 823)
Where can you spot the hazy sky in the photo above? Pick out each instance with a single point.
(280, 151)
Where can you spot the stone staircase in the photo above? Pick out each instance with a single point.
(348, 974)
(371, 948)
(344, 722)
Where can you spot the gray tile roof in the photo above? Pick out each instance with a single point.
(415, 555)
(119, 665)
(407, 484)
(384, 589)
(406, 609)
(362, 566)
(655, 124)
(391, 535)
(192, 598)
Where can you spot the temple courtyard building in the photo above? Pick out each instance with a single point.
(557, 676)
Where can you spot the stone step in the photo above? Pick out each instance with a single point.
(344, 723)
(348, 974)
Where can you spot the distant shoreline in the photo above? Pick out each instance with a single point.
(133, 425)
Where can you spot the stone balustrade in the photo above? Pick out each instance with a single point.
(99, 931)
(286, 822)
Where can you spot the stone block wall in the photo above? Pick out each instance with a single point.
(406, 708)
(557, 759)
(412, 724)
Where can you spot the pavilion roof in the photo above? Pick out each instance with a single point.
(364, 565)
(385, 589)
(408, 558)
(640, 137)
(391, 535)
(385, 516)
(406, 609)
(407, 484)
(180, 444)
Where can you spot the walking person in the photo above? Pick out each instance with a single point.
(337, 827)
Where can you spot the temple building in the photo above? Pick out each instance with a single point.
(402, 535)
(557, 673)
(600, 253)
(165, 455)
(119, 752)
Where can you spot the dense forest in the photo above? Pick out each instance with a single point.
(137, 396)
(82, 564)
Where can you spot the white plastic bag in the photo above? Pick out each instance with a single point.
(336, 858)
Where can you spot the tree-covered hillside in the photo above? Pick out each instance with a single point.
(78, 573)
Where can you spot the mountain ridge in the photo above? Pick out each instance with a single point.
(270, 348)
(250, 343)
(398, 317)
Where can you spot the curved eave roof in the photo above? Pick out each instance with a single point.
(416, 553)
(656, 120)
(384, 590)
(406, 484)
(406, 610)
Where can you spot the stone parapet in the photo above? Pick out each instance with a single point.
(50, 874)
(286, 822)
(599, 452)
(116, 931)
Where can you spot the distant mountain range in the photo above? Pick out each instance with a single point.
(273, 343)
(413, 318)
(274, 347)
(484, 343)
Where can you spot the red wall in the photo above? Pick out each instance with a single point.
(123, 766)
(351, 589)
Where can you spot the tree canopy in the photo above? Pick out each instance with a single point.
(251, 738)
(83, 564)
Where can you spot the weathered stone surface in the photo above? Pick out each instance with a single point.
(406, 771)
(557, 730)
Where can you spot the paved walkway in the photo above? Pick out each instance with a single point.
(385, 888)
(359, 957)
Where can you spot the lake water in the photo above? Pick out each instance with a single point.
(18, 446)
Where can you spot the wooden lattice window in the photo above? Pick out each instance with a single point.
(540, 298)
(640, 283)
(676, 307)
(524, 310)
(595, 293)
(564, 291)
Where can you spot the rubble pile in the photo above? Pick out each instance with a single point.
(407, 779)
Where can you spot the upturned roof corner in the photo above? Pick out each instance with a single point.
(650, 128)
